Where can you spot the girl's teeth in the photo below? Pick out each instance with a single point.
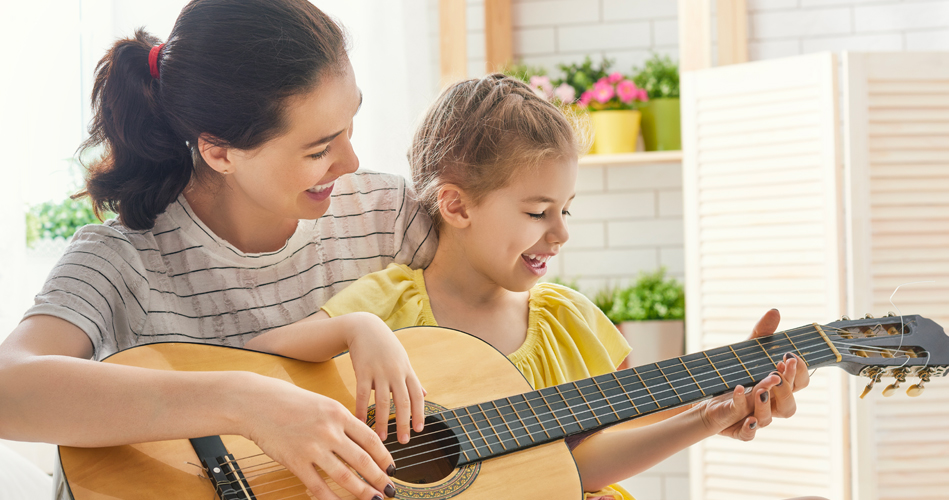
(321, 187)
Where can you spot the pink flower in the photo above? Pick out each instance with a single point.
(626, 91)
(642, 95)
(603, 92)
(585, 98)
(566, 93)
(543, 83)
(615, 77)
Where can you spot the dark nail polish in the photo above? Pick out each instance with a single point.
(753, 425)
(390, 470)
(763, 397)
(389, 491)
(780, 378)
(775, 309)
(787, 356)
(376, 497)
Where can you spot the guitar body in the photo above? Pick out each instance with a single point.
(455, 368)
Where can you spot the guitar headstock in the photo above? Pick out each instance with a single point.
(891, 346)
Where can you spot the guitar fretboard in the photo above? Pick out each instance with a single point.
(509, 424)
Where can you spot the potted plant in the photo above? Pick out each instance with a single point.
(612, 100)
(660, 116)
(650, 316)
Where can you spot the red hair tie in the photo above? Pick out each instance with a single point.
(153, 56)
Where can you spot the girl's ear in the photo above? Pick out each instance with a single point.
(217, 157)
(453, 206)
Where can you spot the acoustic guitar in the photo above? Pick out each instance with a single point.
(486, 430)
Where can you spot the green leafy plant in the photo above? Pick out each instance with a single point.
(583, 76)
(652, 297)
(659, 76)
(62, 219)
(523, 72)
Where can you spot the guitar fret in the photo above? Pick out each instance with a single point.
(742, 363)
(598, 422)
(478, 428)
(567, 402)
(669, 382)
(607, 398)
(509, 430)
(510, 405)
(492, 427)
(536, 416)
(766, 353)
(556, 418)
(632, 400)
(474, 444)
(647, 388)
(520, 419)
(715, 368)
(468, 436)
(799, 353)
(682, 360)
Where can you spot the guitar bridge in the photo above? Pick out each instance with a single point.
(222, 469)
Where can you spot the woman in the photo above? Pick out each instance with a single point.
(227, 156)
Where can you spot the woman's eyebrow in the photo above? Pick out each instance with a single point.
(543, 199)
(329, 138)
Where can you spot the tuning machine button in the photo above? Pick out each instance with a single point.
(845, 318)
(891, 314)
(900, 375)
(917, 388)
(875, 377)
(868, 316)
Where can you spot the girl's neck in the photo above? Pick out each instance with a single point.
(237, 221)
(465, 299)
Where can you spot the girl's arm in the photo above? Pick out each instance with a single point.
(379, 361)
(51, 394)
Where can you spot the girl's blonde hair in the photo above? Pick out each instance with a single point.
(479, 133)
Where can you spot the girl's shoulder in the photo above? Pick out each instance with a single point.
(553, 295)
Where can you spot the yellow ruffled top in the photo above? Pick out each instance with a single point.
(568, 337)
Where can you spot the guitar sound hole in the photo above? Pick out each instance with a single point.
(428, 457)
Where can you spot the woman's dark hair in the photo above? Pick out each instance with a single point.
(226, 71)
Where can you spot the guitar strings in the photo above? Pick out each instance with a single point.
(474, 444)
(569, 407)
(540, 422)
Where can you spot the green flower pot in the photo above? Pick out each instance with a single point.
(660, 124)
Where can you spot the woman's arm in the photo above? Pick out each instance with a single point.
(51, 394)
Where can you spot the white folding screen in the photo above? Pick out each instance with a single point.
(897, 178)
(764, 228)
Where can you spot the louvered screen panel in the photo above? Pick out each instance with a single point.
(898, 166)
(764, 229)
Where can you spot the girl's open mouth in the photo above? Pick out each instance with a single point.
(536, 263)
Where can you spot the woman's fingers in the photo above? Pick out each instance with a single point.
(363, 389)
(316, 487)
(343, 475)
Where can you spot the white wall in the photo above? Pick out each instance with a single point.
(779, 28)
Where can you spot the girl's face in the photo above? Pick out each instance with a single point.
(292, 175)
(515, 230)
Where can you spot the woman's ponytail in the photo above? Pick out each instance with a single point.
(225, 73)
(144, 165)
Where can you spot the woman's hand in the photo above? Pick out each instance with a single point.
(305, 431)
(381, 364)
(739, 414)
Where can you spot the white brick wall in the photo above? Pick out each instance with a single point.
(779, 28)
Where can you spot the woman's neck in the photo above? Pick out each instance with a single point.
(237, 221)
(465, 299)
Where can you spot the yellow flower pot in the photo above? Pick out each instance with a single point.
(615, 131)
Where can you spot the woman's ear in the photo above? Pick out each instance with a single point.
(219, 158)
(453, 206)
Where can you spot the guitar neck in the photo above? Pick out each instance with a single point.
(510, 424)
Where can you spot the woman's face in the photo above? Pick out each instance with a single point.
(292, 175)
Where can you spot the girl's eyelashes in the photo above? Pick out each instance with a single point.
(536, 216)
(565, 212)
(321, 154)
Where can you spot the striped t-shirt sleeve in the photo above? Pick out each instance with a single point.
(415, 237)
(98, 285)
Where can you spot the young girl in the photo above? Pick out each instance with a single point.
(495, 166)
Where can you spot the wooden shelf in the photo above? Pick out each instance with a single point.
(637, 158)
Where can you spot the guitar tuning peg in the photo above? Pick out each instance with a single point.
(845, 318)
(915, 390)
(875, 377)
(891, 314)
(868, 316)
(891, 389)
